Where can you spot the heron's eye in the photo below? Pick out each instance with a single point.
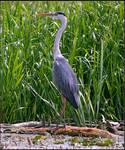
(60, 13)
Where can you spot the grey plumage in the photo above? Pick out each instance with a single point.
(65, 80)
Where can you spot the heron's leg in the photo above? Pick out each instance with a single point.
(62, 112)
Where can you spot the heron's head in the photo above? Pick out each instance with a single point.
(54, 15)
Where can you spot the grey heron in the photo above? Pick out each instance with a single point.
(64, 77)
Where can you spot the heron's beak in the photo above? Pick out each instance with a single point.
(45, 14)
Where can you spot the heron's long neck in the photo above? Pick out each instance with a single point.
(58, 38)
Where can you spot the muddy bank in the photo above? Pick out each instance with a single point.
(35, 141)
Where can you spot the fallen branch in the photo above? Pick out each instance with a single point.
(22, 124)
(67, 130)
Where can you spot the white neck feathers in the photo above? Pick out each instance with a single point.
(57, 52)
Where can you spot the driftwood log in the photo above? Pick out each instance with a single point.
(70, 130)
(37, 127)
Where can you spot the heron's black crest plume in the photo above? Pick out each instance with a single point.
(61, 13)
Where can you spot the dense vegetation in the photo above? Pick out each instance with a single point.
(93, 44)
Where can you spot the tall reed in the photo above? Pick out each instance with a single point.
(93, 44)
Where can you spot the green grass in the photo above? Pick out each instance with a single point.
(93, 44)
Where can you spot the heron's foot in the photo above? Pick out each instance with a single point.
(57, 125)
(64, 125)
